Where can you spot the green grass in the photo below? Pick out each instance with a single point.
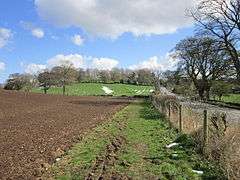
(233, 98)
(94, 89)
(143, 154)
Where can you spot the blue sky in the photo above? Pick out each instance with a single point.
(36, 34)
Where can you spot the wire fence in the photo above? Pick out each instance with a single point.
(216, 135)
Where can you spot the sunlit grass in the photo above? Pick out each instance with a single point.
(94, 89)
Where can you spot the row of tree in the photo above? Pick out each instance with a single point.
(61, 76)
(211, 56)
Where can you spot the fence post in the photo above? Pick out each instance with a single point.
(169, 111)
(205, 131)
(180, 118)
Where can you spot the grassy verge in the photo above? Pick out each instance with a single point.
(133, 145)
(232, 98)
(92, 89)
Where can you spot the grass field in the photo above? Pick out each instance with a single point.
(93, 89)
(133, 145)
(233, 98)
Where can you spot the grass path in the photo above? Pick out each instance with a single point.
(133, 145)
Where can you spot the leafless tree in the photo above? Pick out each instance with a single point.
(221, 20)
(202, 61)
(64, 75)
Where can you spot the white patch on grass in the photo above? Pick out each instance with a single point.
(141, 92)
(172, 145)
(58, 159)
(107, 90)
(151, 90)
(198, 172)
(174, 155)
(138, 92)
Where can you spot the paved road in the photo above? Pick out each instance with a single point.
(233, 115)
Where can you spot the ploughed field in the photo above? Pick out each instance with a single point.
(36, 129)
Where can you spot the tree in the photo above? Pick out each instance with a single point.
(81, 75)
(104, 76)
(172, 77)
(64, 75)
(145, 77)
(221, 20)
(46, 80)
(202, 61)
(132, 78)
(220, 88)
(116, 75)
(18, 81)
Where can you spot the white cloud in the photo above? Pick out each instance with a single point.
(2, 66)
(112, 18)
(77, 40)
(35, 31)
(104, 63)
(5, 35)
(76, 60)
(154, 63)
(35, 68)
(38, 33)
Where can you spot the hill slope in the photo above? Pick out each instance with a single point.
(93, 89)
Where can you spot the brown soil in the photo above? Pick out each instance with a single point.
(102, 167)
(35, 129)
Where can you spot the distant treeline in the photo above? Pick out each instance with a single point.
(66, 74)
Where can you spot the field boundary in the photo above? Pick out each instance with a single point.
(215, 137)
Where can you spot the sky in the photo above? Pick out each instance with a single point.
(103, 34)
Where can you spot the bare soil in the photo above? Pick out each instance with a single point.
(35, 129)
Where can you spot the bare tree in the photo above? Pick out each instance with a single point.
(64, 75)
(104, 76)
(221, 20)
(202, 61)
(116, 75)
(145, 77)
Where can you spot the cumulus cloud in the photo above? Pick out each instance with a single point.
(5, 36)
(76, 60)
(2, 66)
(35, 31)
(38, 33)
(77, 40)
(35, 68)
(154, 63)
(112, 18)
(104, 63)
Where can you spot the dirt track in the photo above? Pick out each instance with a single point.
(35, 129)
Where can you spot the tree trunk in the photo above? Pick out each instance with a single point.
(235, 58)
(237, 67)
(208, 93)
(45, 89)
(238, 75)
(201, 93)
(64, 89)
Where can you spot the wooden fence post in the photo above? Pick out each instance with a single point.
(205, 131)
(180, 118)
(169, 111)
